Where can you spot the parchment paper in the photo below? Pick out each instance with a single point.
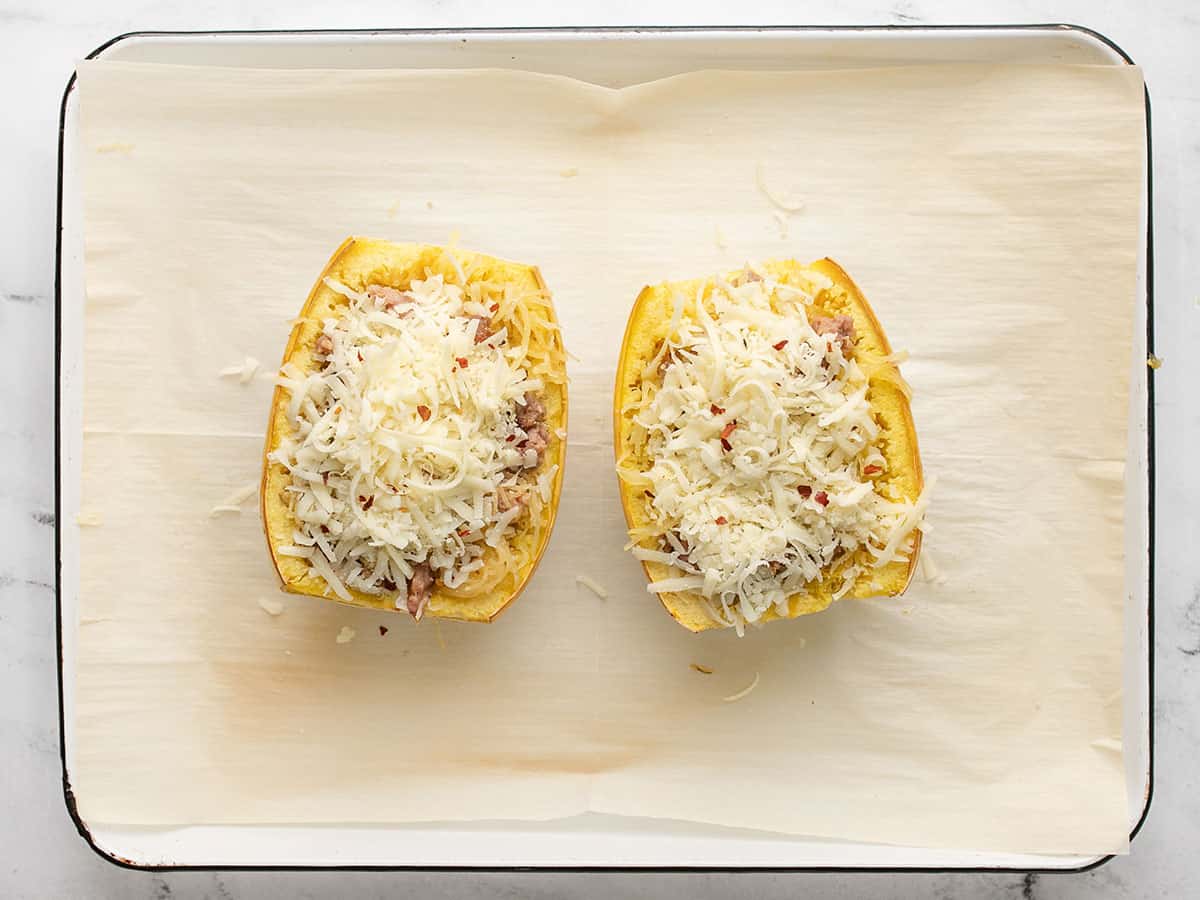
(988, 212)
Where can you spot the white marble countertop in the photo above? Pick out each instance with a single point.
(43, 857)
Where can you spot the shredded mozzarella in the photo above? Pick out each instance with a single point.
(244, 372)
(406, 447)
(783, 204)
(733, 698)
(271, 605)
(761, 446)
(592, 585)
(233, 503)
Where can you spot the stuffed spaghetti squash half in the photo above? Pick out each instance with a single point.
(416, 439)
(765, 449)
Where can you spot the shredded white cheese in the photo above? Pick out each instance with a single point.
(408, 449)
(781, 220)
(244, 372)
(233, 503)
(782, 203)
(929, 571)
(271, 605)
(87, 519)
(592, 585)
(242, 494)
(763, 449)
(733, 698)
(346, 635)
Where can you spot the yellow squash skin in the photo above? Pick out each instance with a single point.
(644, 333)
(357, 263)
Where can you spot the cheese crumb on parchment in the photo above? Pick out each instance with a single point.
(733, 698)
(784, 204)
(233, 503)
(592, 585)
(272, 606)
(244, 372)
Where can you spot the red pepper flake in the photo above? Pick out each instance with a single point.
(829, 346)
(367, 502)
(464, 531)
(728, 446)
(780, 345)
(423, 412)
(872, 469)
(805, 491)
(325, 477)
(462, 361)
(494, 307)
(360, 359)
(728, 429)
(822, 498)
(716, 410)
(511, 438)
(720, 520)
(382, 630)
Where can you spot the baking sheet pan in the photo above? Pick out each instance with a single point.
(598, 841)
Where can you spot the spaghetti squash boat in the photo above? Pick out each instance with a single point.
(415, 446)
(765, 448)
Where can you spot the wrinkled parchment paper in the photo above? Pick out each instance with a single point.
(989, 213)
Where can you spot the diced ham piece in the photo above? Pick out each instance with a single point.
(324, 345)
(841, 327)
(531, 419)
(507, 498)
(538, 440)
(419, 588)
(532, 414)
(387, 297)
(485, 330)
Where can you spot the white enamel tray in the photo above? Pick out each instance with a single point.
(613, 57)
